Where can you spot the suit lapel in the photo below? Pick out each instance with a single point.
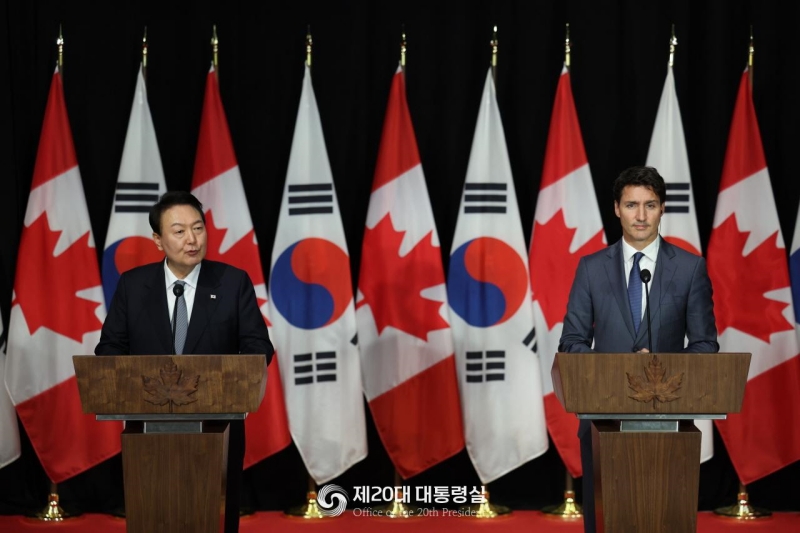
(203, 307)
(155, 304)
(616, 278)
(665, 270)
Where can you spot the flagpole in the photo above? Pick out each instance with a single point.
(742, 510)
(144, 54)
(60, 45)
(403, 47)
(751, 51)
(53, 512)
(569, 508)
(309, 46)
(215, 49)
(309, 510)
(493, 43)
(673, 45)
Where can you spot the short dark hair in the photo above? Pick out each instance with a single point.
(640, 177)
(171, 199)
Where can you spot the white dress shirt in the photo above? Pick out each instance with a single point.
(189, 290)
(647, 262)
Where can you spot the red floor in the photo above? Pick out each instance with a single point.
(517, 522)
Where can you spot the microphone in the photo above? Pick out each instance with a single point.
(645, 275)
(177, 290)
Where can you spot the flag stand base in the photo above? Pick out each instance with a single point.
(396, 509)
(567, 509)
(308, 511)
(485, 509)
(742, 510)
(53, 512)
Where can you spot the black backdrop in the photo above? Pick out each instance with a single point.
(619, 62)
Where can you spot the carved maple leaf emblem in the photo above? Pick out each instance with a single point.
(170, 387)
(653, 387)
(47, 286)
(392, 285)
(553, 265)
(243, 254)
(740, 282)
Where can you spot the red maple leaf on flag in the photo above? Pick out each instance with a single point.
(740, 282)
(47, 285)
(392, 285)
(243, 254)
(553, 265)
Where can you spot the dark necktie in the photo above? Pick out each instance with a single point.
(181, 320)
(635, 291)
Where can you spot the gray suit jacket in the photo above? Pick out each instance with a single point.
(680, 305)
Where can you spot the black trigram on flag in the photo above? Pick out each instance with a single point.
(486, 366)
(311, 199)
(485, 198)
(678, 196)
(530, 340)
(135, 197)
(310, 367)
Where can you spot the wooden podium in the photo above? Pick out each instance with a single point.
(175, 444)
(646, 449)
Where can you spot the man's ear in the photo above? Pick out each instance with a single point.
(157, 240)
(616, 208)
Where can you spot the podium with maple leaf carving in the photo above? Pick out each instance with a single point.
(645, 446)
(175, 444)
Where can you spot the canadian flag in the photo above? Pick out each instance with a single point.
(490, 310)
(57, 309)
(401, 311)
(9, 442)
(311, 305)
(566, 226)
(679, 224)
(231, 239)
(753, 303)
(129, 241)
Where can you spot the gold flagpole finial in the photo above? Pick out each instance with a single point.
(493, 43)
(309, 45)
(403, 46)
(60, 44)
(144, 51)
(215, 48)
(750, 53)
(673, 44)
(567, 48)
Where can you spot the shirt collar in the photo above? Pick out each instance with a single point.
(650, 251)
(191, 279)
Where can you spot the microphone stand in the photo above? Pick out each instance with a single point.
(645, 275)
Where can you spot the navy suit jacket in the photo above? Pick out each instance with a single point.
(681, 306)
(225, 315)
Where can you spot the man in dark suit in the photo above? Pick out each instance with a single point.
(604, 316)
(214, 311)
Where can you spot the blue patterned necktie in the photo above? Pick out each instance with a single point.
(181, 320)
(635, 291)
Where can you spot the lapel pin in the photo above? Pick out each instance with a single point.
(213, 296)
